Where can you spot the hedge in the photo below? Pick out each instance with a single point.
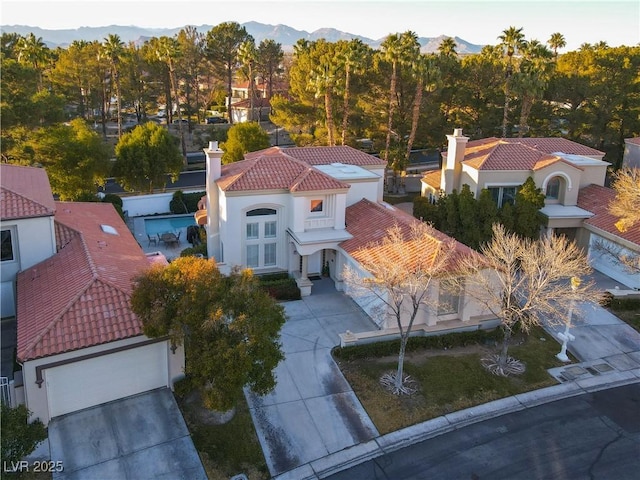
(281, 289)
(392, 347)
(181, 200)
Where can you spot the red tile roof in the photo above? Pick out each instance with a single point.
(257, 103)
(433, 178)
(24, 192)
(271, 169)
(555, 145)
(337, 154)
(80, 296)
(596, 199)
(634, 141)
(369, 223)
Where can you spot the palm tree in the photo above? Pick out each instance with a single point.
(323, 82)
(511, 42)
(447, 47)
(426, 73)
(353, 60)
(396, 48)
(532, 80)
(31, 50)
(247, 55)
(113, 50)
(556, 41)
(167, 50)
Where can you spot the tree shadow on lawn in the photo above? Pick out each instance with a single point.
(228, 449)
(448, 380)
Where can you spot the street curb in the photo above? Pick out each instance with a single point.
(384, 444)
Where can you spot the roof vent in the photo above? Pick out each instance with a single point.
(109, 229)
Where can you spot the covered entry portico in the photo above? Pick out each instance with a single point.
(308, 248)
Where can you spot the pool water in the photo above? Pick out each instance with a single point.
(154, 226)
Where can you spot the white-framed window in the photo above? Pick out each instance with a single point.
(7, 246)
(253, 231)
(270, 230)
(270, 254)
(448, 298)
(503, 195)
(253, 256)
(317, 206)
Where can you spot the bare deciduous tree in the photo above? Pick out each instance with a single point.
(526, 282)
(402, 268)
(627, 203)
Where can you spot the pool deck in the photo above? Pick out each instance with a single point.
(136, 225)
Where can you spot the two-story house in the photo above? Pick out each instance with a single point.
(78, 341)
(562, 169)
(305, 210)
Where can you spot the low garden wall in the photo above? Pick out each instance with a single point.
(151, 204)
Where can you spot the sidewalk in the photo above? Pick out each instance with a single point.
(608, 351)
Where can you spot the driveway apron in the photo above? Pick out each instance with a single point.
(313, 411)
(140, 437)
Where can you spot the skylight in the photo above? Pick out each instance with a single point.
(109, 229)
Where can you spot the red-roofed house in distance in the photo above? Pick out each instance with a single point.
(78, 341)
(305, 211)
(560, 167)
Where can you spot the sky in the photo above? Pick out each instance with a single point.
(476, 21)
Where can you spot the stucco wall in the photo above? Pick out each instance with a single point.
(36, 397)
(631, 157)
(152, 204)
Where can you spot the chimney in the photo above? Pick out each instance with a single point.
(214, 171)
(452, 161)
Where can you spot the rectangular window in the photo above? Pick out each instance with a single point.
(269, 254)
(252, 231)
(502, 195)
(269, 229)
(253, 256)
(7, 246)
(448, 298)
(316, 205)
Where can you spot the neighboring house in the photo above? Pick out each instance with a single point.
(631, 156)
(240, 111)
(26, 224)
(606, 244)
(302, 211)
(560, 167)
(78, 341)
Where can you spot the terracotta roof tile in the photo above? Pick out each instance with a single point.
(596, 199)
(328, 155)
(433, 178)
(80, 296)
(555, 145)
(634, 141)
(369, 222)
(24, 192)
(271, 169)
(257, 103)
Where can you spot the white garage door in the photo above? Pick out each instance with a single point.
(109, 377)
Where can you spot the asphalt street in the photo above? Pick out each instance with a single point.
(590, 436)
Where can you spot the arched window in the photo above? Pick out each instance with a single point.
(553, 188)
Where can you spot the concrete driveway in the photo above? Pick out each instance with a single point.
(140, 437)
(313, 411)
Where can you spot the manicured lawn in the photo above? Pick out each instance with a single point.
(448, 380)
(229, 449)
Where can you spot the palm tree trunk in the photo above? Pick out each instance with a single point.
(345, 109)
(505, 114)
(417, 103)
(329, 114)
(527, 103)
(251, 94)
(119, 100)
(180, 129)
(392, 95)
(229, 92)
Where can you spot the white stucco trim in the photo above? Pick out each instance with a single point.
(556, 174)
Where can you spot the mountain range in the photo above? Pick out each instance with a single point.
(283, 34)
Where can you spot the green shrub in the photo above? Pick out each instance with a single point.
(625, 304)
(446, 341)
(269, 277)
(185, 202)
(281, 289)
(113, 198)
(19, 438)
(193, 251)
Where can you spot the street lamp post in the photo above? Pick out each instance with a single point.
(565, 336)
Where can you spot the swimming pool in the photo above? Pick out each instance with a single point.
(153, 226)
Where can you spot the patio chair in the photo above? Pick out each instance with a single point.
(159, 238)
(152, 240)
(178, 236)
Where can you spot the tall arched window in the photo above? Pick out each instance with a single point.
(261, 237)
(553, 188)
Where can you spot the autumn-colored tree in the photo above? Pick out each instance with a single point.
(627, 203)
(230, 328)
